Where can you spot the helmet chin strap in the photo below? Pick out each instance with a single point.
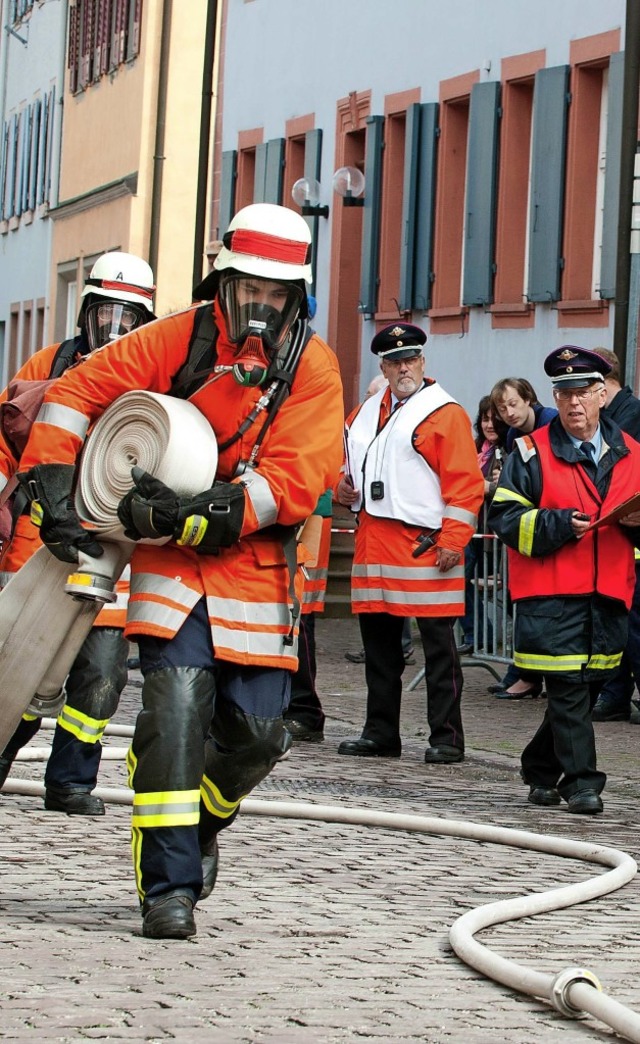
(252, 363)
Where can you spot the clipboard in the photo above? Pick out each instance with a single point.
(625, 508)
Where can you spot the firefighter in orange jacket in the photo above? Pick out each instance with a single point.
(214, 611)
(305, 717)
(117, 298)
(411, 474)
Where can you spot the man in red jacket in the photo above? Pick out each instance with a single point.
(572, 584)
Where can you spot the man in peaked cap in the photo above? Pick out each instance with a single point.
(411, 475)
(573, 589)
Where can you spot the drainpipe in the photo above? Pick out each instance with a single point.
(161, 118)
(205, 138)
(631, 80)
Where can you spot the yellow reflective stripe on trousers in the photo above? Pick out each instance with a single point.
(166, 809)
(214, 802)
(84, 728)
(526, 530)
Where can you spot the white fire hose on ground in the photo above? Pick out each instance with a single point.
(573, 992)
(45, 616)
(45, 613)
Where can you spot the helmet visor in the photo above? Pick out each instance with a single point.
(259, 307)
(108, 320)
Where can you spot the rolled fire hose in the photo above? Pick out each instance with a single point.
(573, 992)
(45, 614)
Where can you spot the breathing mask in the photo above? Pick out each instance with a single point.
(106, 320)
(259, 314)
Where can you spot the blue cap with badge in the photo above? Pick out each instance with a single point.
(572, 367)
(399, 341)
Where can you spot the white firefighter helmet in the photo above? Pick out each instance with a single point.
(122, 277)
(269, 241)
(117, 298)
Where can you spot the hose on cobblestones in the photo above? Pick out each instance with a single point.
(573, 992)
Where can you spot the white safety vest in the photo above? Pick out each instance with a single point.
(403, 484)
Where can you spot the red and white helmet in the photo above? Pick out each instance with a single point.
(122, 277)
(269, 241)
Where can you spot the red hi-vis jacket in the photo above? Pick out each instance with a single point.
(385, 576)
(25, 539)
(601, 562)
(247, 585)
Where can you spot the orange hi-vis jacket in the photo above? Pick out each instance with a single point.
(385, 577)
(25, 539)
(247, 585)
(317, 571)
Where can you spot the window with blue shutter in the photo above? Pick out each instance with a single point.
(612, 179)
(548, 159)
(480, 203)
(371, 216)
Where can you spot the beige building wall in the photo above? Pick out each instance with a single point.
(107, 166)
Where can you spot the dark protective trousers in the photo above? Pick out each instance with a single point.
(208, 732)
(384, 666)
(304, 705)
(93, 687)
(562, 753)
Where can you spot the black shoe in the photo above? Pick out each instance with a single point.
(210, 855)
(300, 731)
(443, 755)
(606, 710)
(355, 657)
(169, 917)
(366, 748)
(585, 803)
(496, 688)
(409, 656)
(5, 768)
(73, 802)
(534, 690)
(465, 649)
(543, 796)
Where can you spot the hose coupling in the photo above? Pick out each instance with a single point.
(560, 989)
(91, 587)
(47, 706)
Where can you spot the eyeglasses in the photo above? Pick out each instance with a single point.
(127, 317)
(581, 394)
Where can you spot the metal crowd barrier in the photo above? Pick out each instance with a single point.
(492, 613)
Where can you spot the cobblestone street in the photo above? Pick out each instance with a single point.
(321, 931)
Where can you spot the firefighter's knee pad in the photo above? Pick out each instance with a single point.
(241, 751)
(167, 752)
(99, 673)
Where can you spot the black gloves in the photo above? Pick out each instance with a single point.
(210, 520)
(49, 487)
(150, 509)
